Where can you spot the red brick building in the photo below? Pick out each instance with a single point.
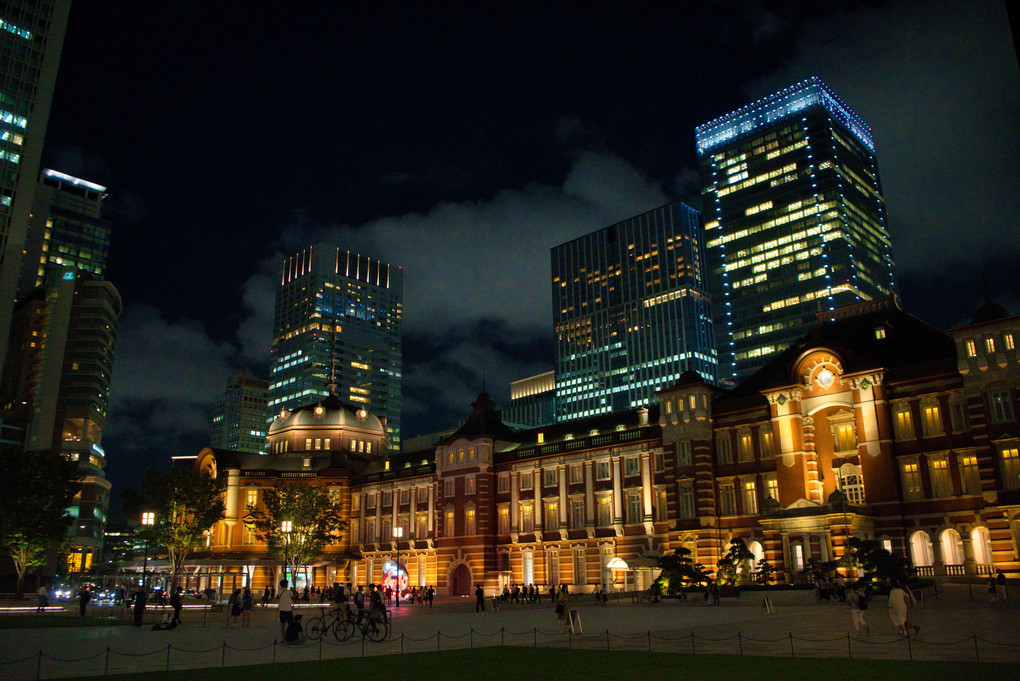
(873, 425)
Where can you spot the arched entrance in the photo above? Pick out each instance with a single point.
(921, 553)
(460, 581)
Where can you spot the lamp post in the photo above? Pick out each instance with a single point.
(148, 520)
(286, 527)
(398, 534)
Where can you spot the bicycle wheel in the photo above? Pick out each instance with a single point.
(344, 630)
(376, 630)
(316, 627)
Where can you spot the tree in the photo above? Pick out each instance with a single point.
(738, 556)
(677, 569)
(877, 562)
(296, 522)
(186, 505)
(36, 489)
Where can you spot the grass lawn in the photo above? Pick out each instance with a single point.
(40, 620)
(497, 664)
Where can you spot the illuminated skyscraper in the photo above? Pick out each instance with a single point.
(338, 313)
(630, 312)
(66, 228)
(31, 39)
(239, 415)
(795, 222)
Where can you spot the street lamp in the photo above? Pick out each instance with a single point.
(148, 520)
(286, 527)
(398, 534)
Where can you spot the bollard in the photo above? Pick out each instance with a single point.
(168, 657)
(106, 665)
(223, 655)
(977, 654)
(740, 644)
(38, 666)
(792, 653)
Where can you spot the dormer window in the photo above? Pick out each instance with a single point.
(879, 332)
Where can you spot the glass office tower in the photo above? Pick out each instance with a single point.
(795, 222)
(239, 415)
(338, 314)
(66, 228)
(630, 312)
(31, 39)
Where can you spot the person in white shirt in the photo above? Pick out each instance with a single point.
(286, 608)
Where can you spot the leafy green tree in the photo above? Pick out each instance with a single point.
(679, 569)
(738, 556)
(36, 489)
(186, 505)
(297, 522)
(876, 561)
(763, 572)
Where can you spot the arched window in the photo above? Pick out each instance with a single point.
(921, 553)
(952, 547)
(851, 483)
(982, 543)
(528, 568)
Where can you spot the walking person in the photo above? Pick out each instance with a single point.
(562, 604)
(234, 607)
(901, 608)
(286, 605)
(43, 597)
(177, 602)
(139, 607)
(247, 603)
(1000, 585)
(84, 596)
(479, 599)
(858, 600)
(359, 603)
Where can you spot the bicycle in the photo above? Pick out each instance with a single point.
(374, 627)
(317, 626)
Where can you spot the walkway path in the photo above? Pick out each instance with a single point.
(954, 626)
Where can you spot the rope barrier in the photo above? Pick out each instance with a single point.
(608, 636)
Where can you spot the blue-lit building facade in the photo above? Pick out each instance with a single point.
(795, 220)
(338, 318)
(631, 312)
(31, 40)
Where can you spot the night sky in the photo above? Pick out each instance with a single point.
(462, 141)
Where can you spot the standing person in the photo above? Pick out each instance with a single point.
(43, 597)
(479, 599)
(84, 596)
(432, 595)
(234, 607)
(359, 603)
(901, 607)
(1000, 584)
(177, 602)
(376, 604)
(139, 607)
(286, 608)
(562, 603)
(247, 603)
(858, 601)
(265, 597)
(992, 588)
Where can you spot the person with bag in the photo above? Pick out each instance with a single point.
(858, 600)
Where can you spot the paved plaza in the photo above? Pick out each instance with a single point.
(960, 624)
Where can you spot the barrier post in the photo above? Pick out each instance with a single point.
(106, 665)
(38, 666)
(740, 644)
(977, 655)
(849, 648)
(693, 651)
(223, 655)
(792, 653)
(649, 635)
(168, 657)
(274, 651)
(910, 649)
(320, 648)
(502, 637)
(471, 638)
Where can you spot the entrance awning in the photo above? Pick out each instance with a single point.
(618, 563)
